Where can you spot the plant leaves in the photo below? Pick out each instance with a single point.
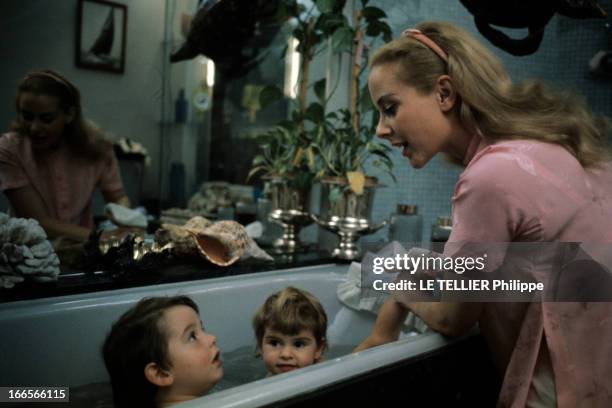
(311, 158)
(254, 171)
(374, 28)
(335, 194)
(387, 36)
(373, 13)
(269, 94)
(319, 89)
(365, 101)
(356, 181)
(314, 112)
(342, 40)
(258, 160)
(298, 157)
(328, 23)
(325, 6)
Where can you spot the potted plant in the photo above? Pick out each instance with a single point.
(344, 141)
(287, 160)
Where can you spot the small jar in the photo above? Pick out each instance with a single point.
(406, 226)
(441, 230)
(271, 230)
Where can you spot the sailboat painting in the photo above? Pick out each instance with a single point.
(101, 35)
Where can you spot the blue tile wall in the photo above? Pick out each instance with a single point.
(562, 60)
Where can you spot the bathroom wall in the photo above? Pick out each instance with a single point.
(562, 60)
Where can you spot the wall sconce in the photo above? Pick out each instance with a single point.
(202, 95)
(208, 71)
(292, 69)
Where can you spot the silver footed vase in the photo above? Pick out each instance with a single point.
(290, 210)
(347, 214)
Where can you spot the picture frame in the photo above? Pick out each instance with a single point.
(101, 32)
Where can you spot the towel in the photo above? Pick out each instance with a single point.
(124, 216)
(354, 294)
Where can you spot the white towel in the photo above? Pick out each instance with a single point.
(124, 216)
(350, 291)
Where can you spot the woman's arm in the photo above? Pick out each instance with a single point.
(387, 326)
(450, 319)
(27, 204)
(118, 197)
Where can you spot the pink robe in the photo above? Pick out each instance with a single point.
(525, 191)
(64, 182)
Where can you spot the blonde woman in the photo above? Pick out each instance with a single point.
(537, 169)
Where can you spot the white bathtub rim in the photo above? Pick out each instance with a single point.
(307, 380)
(90, 299)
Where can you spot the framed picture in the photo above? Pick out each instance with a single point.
(101, 35)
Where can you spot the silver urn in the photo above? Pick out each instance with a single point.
(290, 210)
(347, 214)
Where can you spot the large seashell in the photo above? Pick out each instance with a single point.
(181, 239)
(222, 243)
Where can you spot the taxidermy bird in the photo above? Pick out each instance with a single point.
(230, 32)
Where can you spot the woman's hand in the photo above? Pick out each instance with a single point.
(387, 327)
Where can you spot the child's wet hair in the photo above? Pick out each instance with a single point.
(138, 338)
(289, 311)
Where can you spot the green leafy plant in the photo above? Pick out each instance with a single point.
(342, 139)
(287, 149)
(281, 156)
(343, 150)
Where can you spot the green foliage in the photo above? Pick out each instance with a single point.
(278, 148)
(269, 94)
(344, 146)
(315, 142)
(285, 154)
(342, 150)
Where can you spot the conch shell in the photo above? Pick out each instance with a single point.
(179, 237)
(222, 243)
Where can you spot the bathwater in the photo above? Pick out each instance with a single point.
(240, 366)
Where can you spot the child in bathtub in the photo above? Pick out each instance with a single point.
(158, 354)
(290, 328)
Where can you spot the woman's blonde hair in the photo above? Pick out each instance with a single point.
(489, 102)
(289, 311)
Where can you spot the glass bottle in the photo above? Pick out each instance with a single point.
(441, 230)
(406, 226)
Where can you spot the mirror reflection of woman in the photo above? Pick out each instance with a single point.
(53, 159)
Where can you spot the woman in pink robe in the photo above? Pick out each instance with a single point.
(537, 169)
(52, 161)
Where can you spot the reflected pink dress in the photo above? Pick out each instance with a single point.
(64, 182)
(524, 191)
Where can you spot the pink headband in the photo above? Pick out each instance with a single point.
(423, 39)
(53, 76)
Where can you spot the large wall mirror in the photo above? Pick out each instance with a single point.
(225, 96)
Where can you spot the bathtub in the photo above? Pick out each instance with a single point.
(56, 341)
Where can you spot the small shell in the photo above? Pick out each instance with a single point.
(222, 243)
